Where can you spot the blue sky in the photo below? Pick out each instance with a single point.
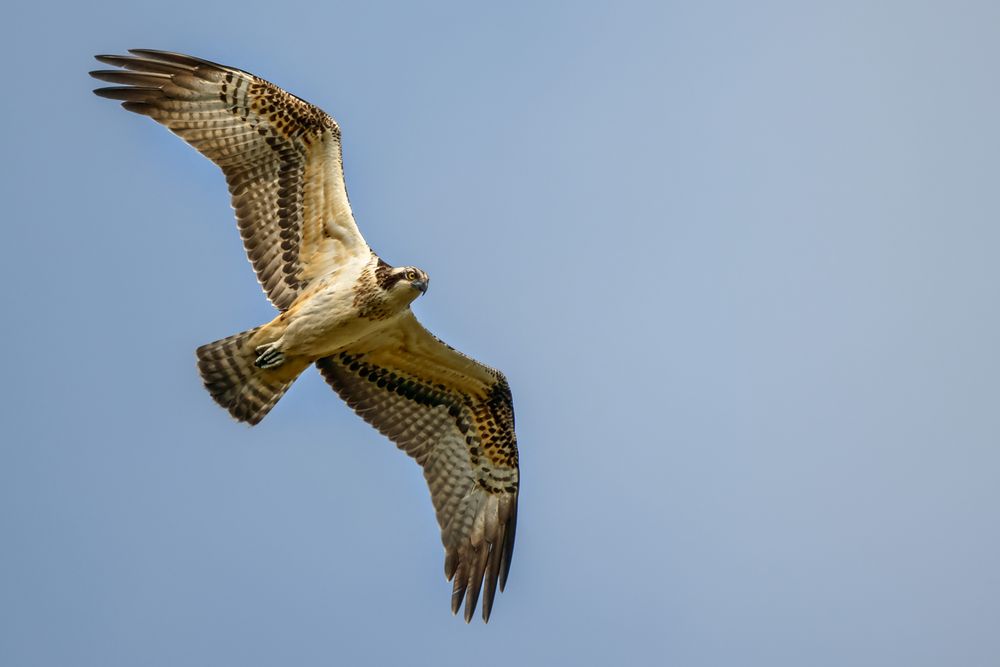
(738, 261)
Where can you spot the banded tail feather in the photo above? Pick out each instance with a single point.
(230, 376)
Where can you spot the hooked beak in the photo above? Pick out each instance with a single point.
(420, 285)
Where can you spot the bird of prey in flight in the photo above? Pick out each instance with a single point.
(341, 306)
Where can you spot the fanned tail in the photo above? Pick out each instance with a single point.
(230, 376)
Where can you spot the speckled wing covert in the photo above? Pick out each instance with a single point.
(456, 418)
(281, 157)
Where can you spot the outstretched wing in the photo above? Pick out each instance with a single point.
(455, 417)
(281, 157)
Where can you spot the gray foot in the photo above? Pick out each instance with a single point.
(269, 356)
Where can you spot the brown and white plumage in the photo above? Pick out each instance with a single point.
(342, 307)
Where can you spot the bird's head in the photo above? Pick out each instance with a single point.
(406, 283)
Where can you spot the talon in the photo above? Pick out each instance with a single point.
(269, 356)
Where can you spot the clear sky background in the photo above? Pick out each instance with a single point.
(738, 261)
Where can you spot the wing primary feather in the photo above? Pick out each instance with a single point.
(143, 64)
(177, 58)
(508, 549)
(491, 518)
(492, 572)
(143, 108)
(450, 562)
(458, 589)
(131, 78)
(132, 94)
(479, 555)
(477, 535)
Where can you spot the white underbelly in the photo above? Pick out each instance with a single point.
(326, 323)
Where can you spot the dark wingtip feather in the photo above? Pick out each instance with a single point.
(471, 600)
(458, 588)
(457, 595)
(143, 79)
(176, 58)
(450, 562)
(481, 556)
(508, 547)
(129, 93)
(146, 65)
(138, 107)
(492, 573)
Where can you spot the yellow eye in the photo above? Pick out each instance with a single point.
(411, 275)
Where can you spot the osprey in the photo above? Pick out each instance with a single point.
(341, 307)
